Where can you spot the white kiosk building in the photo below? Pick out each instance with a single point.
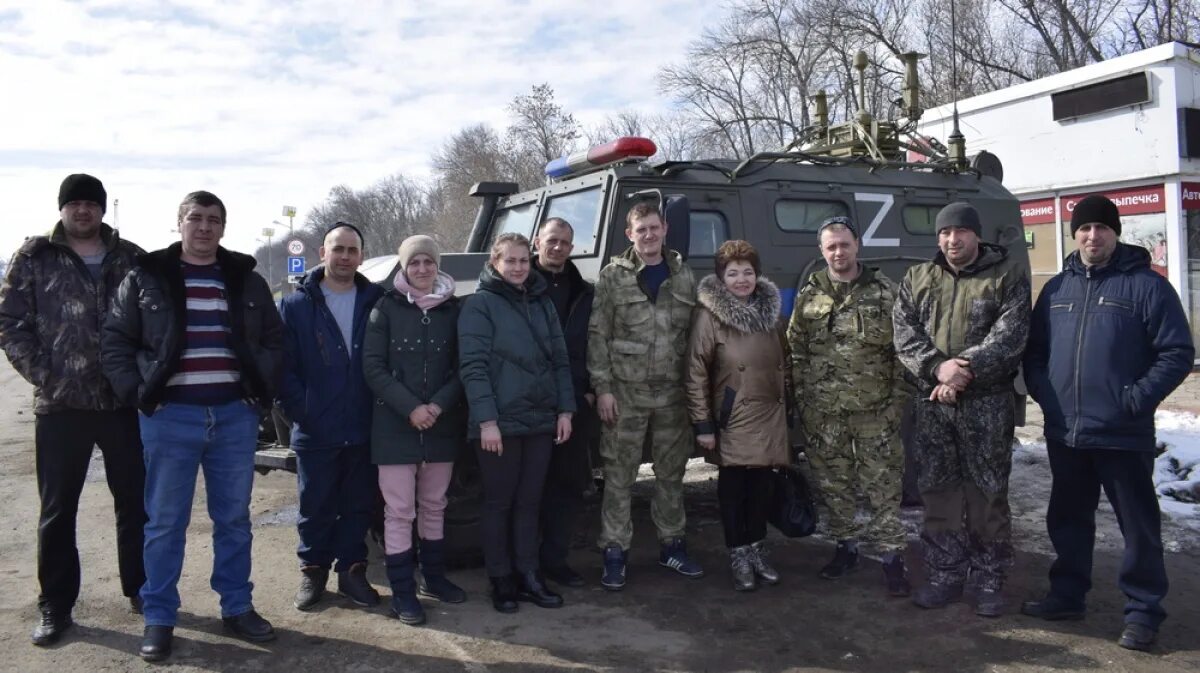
(1128, 128)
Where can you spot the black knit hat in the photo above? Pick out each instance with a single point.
(960, 215)
(1096, 208)
(82, 187)
(838, 219)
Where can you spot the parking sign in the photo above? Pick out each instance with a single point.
(295, 265)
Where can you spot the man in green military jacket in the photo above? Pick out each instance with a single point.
(637, 340)
(849, 393)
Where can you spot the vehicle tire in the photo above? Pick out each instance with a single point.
(464, 509)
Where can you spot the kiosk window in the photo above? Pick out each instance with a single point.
(708, 231)
(797, 215)
(582, 210)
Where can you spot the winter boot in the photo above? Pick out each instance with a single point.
(531, 588)
(353, 584)
(614, 568)
(434, 584)
(895, 575)
(312, 587)
(1054, 609)
(945, 567)
(674, 555)
(989, 603)
(504, 594)
(845, 560)
(405, 605)
(932, 595)
(758, 561)
(1137, 637)
(740, 566)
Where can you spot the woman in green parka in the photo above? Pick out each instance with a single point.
(517, 378)
(410, 358)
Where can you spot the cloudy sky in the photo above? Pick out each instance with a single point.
(271, 102)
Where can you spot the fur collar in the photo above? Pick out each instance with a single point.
(760, 315)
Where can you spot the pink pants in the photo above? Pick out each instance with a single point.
(413, 492)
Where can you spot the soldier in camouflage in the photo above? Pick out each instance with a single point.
(960, 327)
(637, 342)
(849, 392)
(52, 304)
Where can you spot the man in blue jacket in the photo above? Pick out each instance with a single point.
(324, 393)
(1108, 342)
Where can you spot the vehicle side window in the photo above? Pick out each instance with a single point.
(919, 219)
(804, 215)
(708, 231)
(582, 210)
(518, 218)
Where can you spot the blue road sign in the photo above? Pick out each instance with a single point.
(295, 265)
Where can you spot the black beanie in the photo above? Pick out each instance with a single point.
(959, 214)
(82, 187)
(1096, 208)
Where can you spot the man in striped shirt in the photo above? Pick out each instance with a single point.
(195, 341)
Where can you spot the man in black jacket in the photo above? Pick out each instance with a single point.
(194, 339)
(52, 304)
(570, 469)
(1108, 342)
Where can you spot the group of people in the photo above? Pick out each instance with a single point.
(167, 361)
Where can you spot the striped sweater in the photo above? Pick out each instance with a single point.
(208, 372)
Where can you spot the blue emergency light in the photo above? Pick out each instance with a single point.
(628, 147)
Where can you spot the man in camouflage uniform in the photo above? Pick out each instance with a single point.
(52, 303)
(848, 390)
(637, 339)
(960, 327)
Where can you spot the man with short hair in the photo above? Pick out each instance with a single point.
(960, 326)
(850, 394)
(637, 341)
(1109, 341)
(52, 305)
(325, 394)
(194, 339)
(570, 472)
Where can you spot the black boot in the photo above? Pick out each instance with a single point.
(434, 584)
(945, 569)
(51, 626)
(405, 605)
(845, 561)
(532, 589)
(504, 594)
(156, 643)
(312, 587)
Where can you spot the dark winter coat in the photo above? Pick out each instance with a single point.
(575, 330)
(323, 390)
(410, 358)
(51, 314)
(979, 314)
(1106, 347)
(144, 335)
(513, 359)
(736, 378)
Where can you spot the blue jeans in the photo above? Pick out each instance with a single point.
(178, 439)
(338, 488)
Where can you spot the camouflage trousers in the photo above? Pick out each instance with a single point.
(964, 457)
(658, 414)
(858, 454)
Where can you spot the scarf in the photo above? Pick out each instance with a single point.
(443, 289)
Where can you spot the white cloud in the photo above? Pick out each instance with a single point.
(268, 103)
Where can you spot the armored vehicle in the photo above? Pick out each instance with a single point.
(889, 181)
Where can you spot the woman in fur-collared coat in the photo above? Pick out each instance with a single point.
(737, 392)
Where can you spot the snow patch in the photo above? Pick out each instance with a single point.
(1177, 468)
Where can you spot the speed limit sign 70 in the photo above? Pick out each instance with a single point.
(296, 247)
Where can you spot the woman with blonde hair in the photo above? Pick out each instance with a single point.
(517, 377)
(737, 390)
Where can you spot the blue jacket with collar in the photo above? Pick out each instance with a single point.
(323, 390)
(1106, 347)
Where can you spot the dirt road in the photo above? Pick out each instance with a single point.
(660, 622)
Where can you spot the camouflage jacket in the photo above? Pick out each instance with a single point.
(980, 314)
(843, 360)
(51, 312)
(632, 339)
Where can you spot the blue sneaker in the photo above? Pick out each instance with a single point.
(614, 568)
(674, 556)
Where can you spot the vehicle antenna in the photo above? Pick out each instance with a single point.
(958, 144)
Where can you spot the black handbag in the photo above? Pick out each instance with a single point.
(793, 511)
